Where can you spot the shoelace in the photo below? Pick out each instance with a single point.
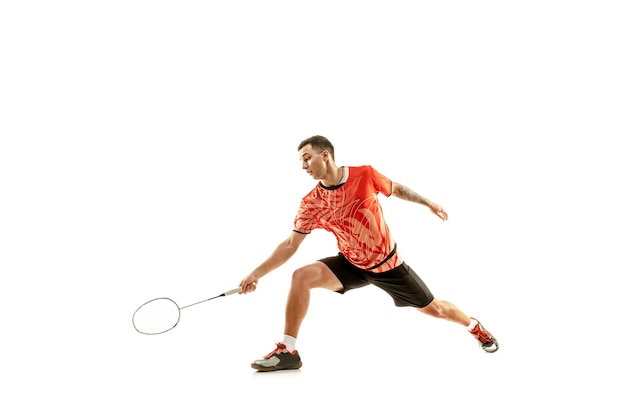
(280, 347)
(482, 335)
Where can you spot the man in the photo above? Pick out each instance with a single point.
(345, 203)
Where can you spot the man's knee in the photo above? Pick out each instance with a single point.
(304, 277)
(315, 275)
(435, 309)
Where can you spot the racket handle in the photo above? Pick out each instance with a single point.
(233, 291)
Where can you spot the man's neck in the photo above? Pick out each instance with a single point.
(334, 177)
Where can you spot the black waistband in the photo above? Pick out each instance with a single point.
(384, 261)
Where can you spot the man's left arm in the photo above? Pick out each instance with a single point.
(405, 193)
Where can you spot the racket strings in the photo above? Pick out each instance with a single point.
(156, 316)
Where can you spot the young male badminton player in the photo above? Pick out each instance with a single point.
(345, 203)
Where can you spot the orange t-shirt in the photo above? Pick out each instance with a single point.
(351, 211)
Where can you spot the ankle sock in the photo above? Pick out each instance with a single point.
(290, 342)
(473, 323)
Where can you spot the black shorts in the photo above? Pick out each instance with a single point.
(401, 283)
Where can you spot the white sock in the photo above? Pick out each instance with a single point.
(473, 323)
(290, 342)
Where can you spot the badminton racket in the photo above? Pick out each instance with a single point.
(162, 314)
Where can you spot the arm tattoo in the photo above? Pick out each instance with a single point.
(406, 193)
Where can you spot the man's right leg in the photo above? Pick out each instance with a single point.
(303, 280)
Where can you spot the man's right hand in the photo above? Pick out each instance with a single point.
(248, 284)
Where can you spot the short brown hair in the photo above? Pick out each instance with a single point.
(319, 144)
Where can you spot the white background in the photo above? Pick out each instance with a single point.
(148, 148)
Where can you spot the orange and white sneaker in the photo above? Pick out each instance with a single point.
(485, 339)
(277, 360)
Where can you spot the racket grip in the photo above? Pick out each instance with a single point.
(233, 291)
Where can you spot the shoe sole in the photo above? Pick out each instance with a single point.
(489, 349)
(273, 368)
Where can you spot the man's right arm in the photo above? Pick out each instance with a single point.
(283, 252)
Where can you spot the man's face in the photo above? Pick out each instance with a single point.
(312, 162)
